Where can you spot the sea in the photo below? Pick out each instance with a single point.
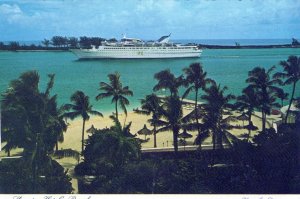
(228, 67)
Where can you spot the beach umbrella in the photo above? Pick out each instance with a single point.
(243, 117)
(91, 130)
(184, 135)
(145, 131)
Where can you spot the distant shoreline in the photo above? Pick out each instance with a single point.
(201, 46)
(60, 43)
(204, 46)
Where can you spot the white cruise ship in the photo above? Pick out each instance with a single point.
(132, 48)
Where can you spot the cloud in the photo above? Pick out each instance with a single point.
(152, 18)
(7, 9)
(13, 14)
(10, 13)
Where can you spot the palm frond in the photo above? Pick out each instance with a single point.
(202, 137)
(106, 87)
(142, 112)
(96, 113)
(126, 91)
(68, 107)
(187, 91)
(67, 153)
(71, 115)
(50, 84)
(231, 136)
(280, 75)
(103, 95)
(159, 122)
(165, 128)
(271, 69)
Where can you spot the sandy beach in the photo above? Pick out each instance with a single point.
(72, 137)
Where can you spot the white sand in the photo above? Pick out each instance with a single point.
(72, 138)
(73, 134)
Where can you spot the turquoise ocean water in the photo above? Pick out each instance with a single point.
(228, 67)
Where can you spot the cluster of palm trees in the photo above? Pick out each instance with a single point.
(32, 120)
(215, 113)
(81, 106)
(30, 116)
(27, 112)
(73, 42)
(167, 112)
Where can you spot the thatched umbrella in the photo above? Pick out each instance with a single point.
(145, 131)
(184, 135)
(91, 130)
(243, 117)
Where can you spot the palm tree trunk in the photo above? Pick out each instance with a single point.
(291, 101)
(263, 120)
(8, 153)
(175, 140)
(219, 140)
(82, 138)
(214, 148)
(116, 106)
(249, 130)
(196, 111)
(154, 135)
(56, 146)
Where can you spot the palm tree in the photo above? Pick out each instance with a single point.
(282, 96)
(72, 42)
(172, 119)
(56, 115)
(217, 106)
(291, 73)
(247, 101)
(116, 91)
(33, 112)
(151, 106)
(46, 42)
(81, 107)
(122, 130)
(196, 78)
(29, 118)
(260, 80)
(59, 125)
(167, 80)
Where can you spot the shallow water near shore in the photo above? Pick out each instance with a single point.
(227, 66)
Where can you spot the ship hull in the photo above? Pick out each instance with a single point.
(137, 52)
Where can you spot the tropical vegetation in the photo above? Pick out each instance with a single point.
(151, 105)
(81, 107)
(266, 89)
(291, 75)
(111, 158)
(115, 90)
(31, 120)
(196, 79)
